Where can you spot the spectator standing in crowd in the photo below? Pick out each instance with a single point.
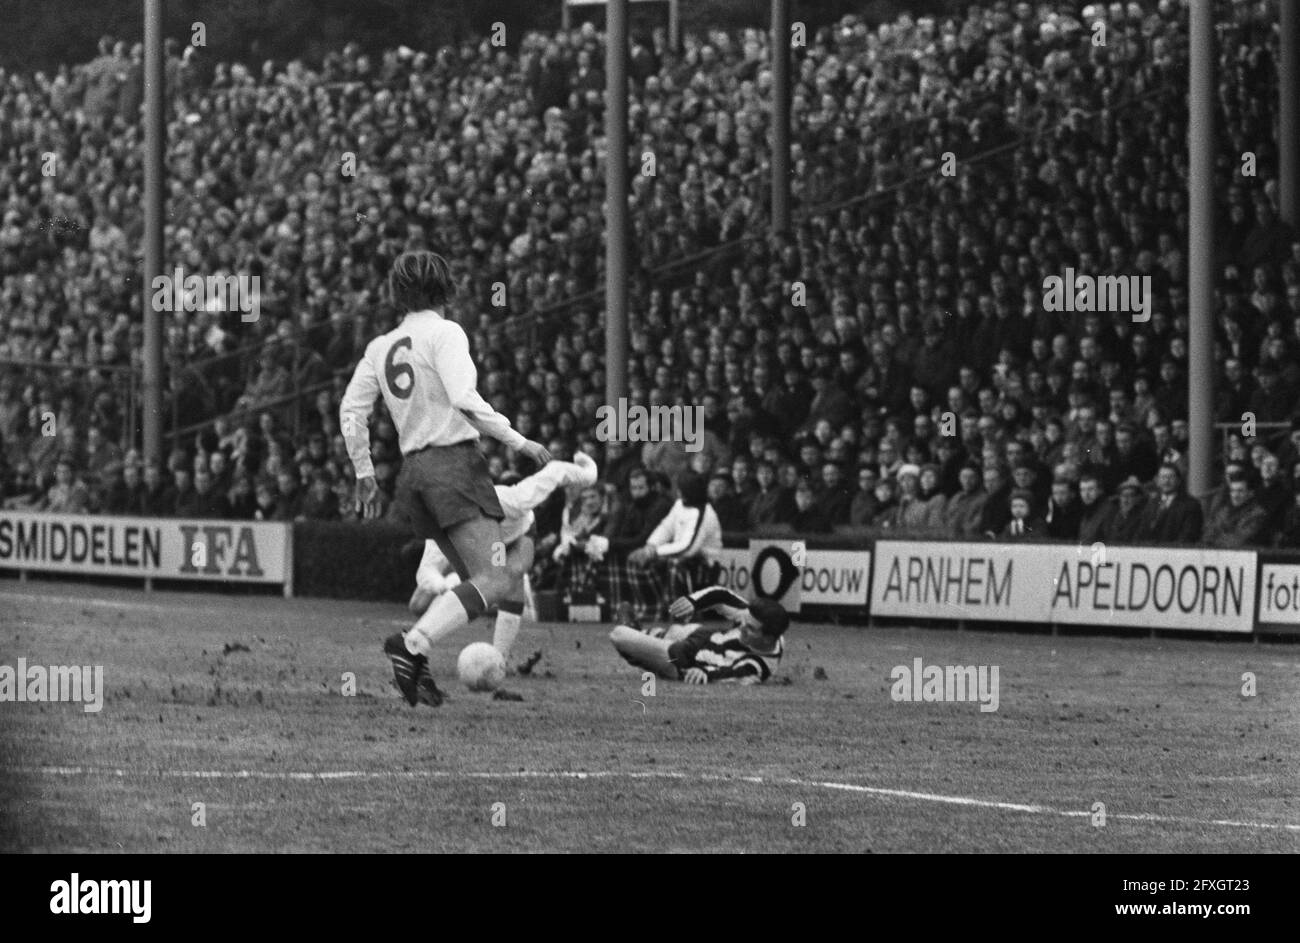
(1288, 534)
(964, 510)
(772, 504)
(68, 493)
(835, 498)
(635, 516)
(731, 514)
(1241, 522)
(124, 493)
(1171, 517)
(865, 506)
(1126, 523)
(153, 497)
(996, 512)
(1063, 511)
(182, 499)
(208, 501)
(243, 501)
(1023, 524)
(320, 503)
(931, 497)
(1095, 510)
(809, 516)
(288, 502)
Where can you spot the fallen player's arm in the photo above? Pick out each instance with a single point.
(710, 599)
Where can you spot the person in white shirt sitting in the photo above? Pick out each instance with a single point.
(686, 544)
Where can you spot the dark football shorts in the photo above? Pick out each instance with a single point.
(445, 485)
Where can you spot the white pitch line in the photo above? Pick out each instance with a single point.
(337, 775)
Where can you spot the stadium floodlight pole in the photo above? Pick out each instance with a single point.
(616, 190)
(674, 27)
(565, 22)
(780, 136)
(1201, 101)
(1288, 112)
(154, 169)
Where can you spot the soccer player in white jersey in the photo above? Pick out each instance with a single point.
(423, 370)
(436, 576)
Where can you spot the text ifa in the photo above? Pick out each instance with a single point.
(102, 897)
(216, 541)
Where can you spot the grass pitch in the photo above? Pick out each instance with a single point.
(237, 704)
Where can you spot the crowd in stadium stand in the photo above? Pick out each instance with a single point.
(921, 387)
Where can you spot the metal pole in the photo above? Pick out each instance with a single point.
(674, 27)
(616, 189)
(780, 116)
(1288, 85)
(297, 391)
(565, 22)
(154, 170)
(1200, 143)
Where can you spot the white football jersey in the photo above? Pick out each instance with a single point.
(423, 370)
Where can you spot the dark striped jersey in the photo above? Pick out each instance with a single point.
(719, 652)
(721, 655)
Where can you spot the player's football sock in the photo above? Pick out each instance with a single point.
(449, 612)
(509, 617)
(530, 601)
(407, 666)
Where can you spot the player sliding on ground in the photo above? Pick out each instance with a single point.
(423, 370)
(748, 652)
(435, 575)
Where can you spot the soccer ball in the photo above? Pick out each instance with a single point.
(480, 666)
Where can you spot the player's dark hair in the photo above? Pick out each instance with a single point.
(694, 489)
(420, 280)
(771, 616)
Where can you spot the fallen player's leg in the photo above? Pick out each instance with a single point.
(644, 651)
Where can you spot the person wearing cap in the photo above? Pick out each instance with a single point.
(1124, 526)
(911, 512)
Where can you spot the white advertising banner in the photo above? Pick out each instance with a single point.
(735, 570)
(1279, 593)
(1135, 587)
(795, 575)
(242, 551)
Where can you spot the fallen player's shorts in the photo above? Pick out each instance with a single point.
(445, 485)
